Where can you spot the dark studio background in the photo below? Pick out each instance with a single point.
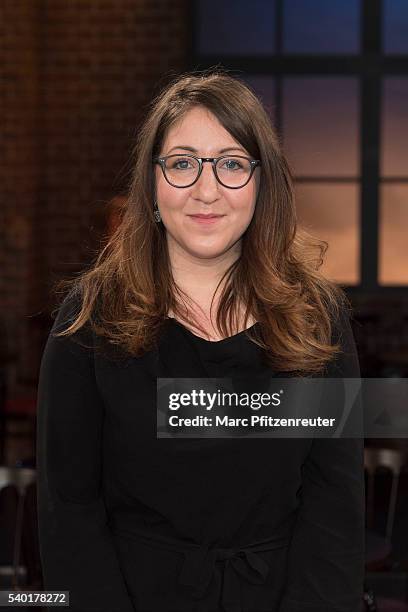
(76, 77)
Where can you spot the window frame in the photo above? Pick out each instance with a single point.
(370, 66)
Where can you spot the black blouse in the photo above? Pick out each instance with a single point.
(131, 522)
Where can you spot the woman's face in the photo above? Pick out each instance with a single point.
(201, 130)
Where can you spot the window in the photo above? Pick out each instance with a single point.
(393, 213)
(319, 26)
(395, 26)
(334, 78)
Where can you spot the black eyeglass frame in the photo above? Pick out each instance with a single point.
(214, 160)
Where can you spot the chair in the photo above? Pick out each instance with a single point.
(21, 479)
(378, 545)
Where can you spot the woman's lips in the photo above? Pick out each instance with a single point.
(206, 220)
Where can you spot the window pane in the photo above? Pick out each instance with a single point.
(395, 26)
(394, 151)
(235, 28)
(264, 87)
(319, 26)
(393, 247)
(320, 126)
(331, 212)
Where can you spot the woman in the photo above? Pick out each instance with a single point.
(128, 521)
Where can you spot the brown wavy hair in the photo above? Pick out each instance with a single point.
(128, 290)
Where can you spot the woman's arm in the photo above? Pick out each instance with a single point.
(326, 557)
(76, 546)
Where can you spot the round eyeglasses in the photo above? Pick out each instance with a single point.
(182, 171)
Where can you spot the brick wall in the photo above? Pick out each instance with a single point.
(76, 76)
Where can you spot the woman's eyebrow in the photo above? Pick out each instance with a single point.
(187, 148)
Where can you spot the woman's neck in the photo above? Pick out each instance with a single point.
(199, 278)
(199, 275)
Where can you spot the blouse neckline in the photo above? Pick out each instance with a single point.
(223, 341)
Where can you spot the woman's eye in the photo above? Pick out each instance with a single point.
(232, 164)
(181, 164)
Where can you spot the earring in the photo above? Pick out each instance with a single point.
(156, 212)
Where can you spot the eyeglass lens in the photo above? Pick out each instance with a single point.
(182, 170)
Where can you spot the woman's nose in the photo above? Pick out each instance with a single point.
(207, 183)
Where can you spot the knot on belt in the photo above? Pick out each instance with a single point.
(198, 568)
(199, 562)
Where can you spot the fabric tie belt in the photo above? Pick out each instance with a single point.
(199, 564)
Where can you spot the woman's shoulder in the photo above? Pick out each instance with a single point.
(341, 317)
(67, 310)
(346, 362)
(64, 315)
(87, 338)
